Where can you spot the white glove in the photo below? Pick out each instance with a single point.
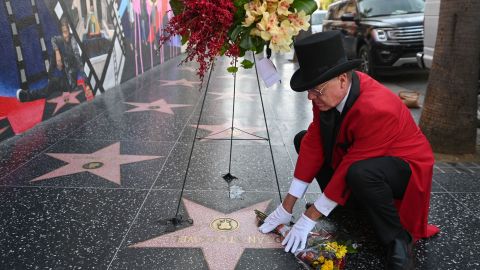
(277, 217)
(297, 236)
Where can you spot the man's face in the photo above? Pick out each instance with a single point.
(330, 93)
(66, 33)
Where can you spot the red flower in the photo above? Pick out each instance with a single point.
(206, 24)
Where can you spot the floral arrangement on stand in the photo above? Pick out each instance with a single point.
(322, 251)
(232, 27)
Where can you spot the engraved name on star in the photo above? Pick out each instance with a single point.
(182, 82)
(159, 105)
(223, 131)
(104, 163)
(222, 237)
(228, 96)
(64, 99)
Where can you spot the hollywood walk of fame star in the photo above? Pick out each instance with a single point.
(222, 131)
(222, 237)
(182, 82)
(160, 106)
(64, 99)
(104, 163)
(228, 96)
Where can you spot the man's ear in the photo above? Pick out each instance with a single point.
(343, 80)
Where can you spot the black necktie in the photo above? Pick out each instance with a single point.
(328, 121)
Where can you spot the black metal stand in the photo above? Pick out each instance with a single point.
(228, 177)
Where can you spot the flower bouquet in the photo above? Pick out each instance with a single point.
(232, 27)
(322, 251)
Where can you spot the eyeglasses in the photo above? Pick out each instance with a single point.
(320, 91)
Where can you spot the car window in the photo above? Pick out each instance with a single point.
(374, 8)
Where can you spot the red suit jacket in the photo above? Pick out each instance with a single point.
(376, 124)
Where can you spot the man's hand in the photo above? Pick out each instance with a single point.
(297, 236)
(277, 217)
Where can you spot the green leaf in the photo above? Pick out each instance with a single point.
(223, 50)
(177, 6)
(236, 32)
(232, 69)
(309, 6)
(184, 39)
(259, 44)
(242, 52)
(240, 3)
(246, 64)
(247, 42)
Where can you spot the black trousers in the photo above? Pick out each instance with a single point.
(374, 184)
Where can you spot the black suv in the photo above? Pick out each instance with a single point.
(385, 34)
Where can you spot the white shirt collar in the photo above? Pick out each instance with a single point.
(344, 100)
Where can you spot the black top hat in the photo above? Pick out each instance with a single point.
(321, 57)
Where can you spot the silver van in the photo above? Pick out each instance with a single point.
(430, 25)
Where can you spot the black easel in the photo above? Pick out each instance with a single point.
(178, 219)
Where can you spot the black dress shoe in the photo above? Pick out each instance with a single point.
(22, 95)
(399, 253)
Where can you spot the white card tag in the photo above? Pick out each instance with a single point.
(268, 72)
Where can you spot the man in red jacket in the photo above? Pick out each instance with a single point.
(362, 142)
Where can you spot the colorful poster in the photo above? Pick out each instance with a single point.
(58, 54)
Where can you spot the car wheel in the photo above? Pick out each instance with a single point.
(366, 66)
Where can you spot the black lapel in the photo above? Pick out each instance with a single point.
(327, 125)
(352, 97)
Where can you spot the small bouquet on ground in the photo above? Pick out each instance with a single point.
(322, 251)
(232, 27)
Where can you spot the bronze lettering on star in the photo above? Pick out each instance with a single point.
(153, 107)
(92, 165)
(224, 239)
(224, 224)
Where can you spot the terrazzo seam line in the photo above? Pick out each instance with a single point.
(457, 201)
(471, 212)
(153, 184)
(63, 138)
